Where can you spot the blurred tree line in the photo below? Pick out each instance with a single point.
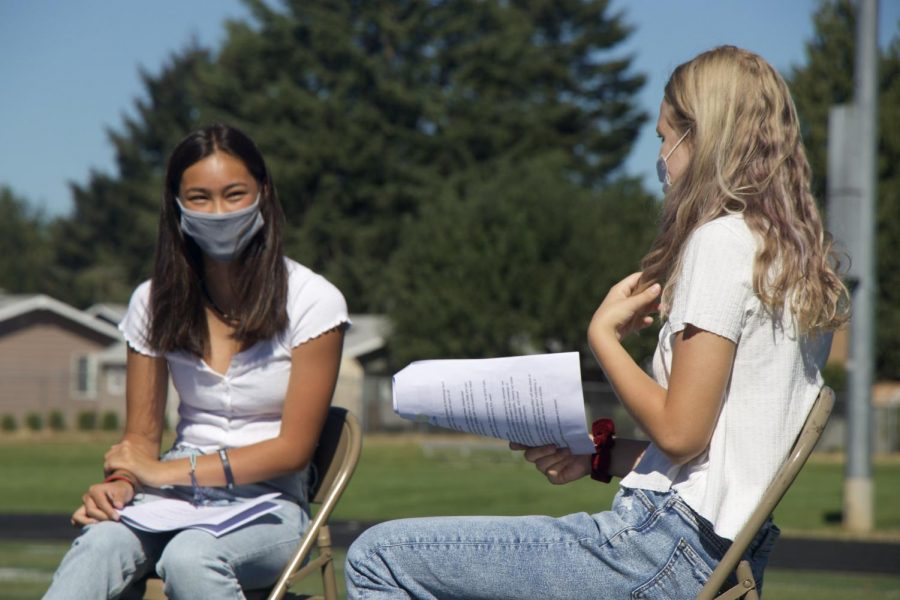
(453, 164)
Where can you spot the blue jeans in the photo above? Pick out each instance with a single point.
(111, 560)
(650, 545)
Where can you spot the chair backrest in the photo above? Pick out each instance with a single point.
(803, 446)
(340, 444)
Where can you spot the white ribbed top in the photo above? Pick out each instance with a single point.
(774, 381)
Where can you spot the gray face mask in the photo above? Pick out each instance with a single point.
(222, 236)
(662, 167)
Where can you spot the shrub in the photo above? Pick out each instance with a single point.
(87, 420)
(835, 376)
(34, 421)
(9, 423)
(110, 421)
(57, 421)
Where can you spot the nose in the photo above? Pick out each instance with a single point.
(219, 205)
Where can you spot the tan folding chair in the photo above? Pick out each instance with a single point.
(340, 444)
(335, 460)
(733, 562)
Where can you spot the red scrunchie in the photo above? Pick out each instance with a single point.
(603, 431)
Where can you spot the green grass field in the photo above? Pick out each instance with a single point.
(398, 478)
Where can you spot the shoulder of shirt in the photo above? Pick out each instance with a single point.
(301, 277)
(142, 292)
(730, 230)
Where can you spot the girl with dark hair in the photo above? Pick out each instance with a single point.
(252, 341)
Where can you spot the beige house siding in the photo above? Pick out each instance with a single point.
(38, 359)
(42, 341)
(348, 391)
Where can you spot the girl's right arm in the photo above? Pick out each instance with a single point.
(146, 384)
(560, 466)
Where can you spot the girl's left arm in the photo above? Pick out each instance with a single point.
(680, 420)
(314, 371)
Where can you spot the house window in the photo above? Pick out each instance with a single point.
(115, 381)
(84, 377)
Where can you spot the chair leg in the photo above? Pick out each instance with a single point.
(746, 585)
(329, 579)
(745, 578)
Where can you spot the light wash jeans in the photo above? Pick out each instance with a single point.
(650, 545)
(111, 560)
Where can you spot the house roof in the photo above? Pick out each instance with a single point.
(367, 334)
(12, 306)
(113, 355)
(109, 312)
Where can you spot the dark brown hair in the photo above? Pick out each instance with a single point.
(258, 274)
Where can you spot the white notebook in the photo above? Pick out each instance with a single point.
(169, 514)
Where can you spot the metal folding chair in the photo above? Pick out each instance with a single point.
(335, 460)
(733, 562)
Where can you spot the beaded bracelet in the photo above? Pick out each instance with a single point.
(115, 477)
(200, 494)
(226, 466)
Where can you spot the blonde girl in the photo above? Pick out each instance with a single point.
(744, 277)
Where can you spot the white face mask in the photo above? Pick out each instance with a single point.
(222, 236)
(662, 167)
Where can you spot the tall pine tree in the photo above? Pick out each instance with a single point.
(106, 246)
(26, 264)
(382, 121)
(367, 109)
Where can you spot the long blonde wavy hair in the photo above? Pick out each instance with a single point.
(747, 156)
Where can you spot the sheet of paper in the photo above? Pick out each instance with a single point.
(168, 514)
(534, 399)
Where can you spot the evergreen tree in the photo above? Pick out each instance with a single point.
(512, 262)
(383, 123)
(25, 255)
(366, 109)
(106, 246)
(826, 80)
(888, 218)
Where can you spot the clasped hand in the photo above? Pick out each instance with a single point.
(559, 465)
(130, 457)
(103, 501)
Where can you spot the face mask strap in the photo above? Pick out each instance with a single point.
(678, 143)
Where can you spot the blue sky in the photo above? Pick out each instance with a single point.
(69, 70)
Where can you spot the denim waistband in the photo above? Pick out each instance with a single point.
(766, 533)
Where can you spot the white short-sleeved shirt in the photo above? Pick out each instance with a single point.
(244, 405)
(774, 380)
